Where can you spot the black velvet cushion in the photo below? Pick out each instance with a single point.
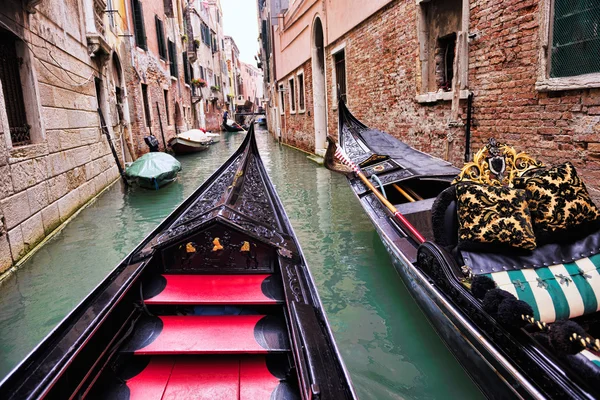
(444, 218)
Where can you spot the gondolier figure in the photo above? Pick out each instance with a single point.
(225, 117)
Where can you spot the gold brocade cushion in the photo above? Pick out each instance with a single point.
(492, 217)
(558, 201)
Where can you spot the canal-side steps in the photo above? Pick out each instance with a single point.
(207, 337)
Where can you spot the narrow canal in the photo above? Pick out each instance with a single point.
(386, 342)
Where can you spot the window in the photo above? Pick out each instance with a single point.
(138, 24)
(213, 37)
(292, 96)
(173, 58)
(146, 105)
(166, 93)
(205, 34)
(443, 49)
(575, 36)
(444, 62)
(301, 105)
(160, 37)
(202, 76)
(339, 60)
(110, 10)
(186, 68)
(13, 91)
(281, 100)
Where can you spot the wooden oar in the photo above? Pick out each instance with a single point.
(403, 193)
(341, 155)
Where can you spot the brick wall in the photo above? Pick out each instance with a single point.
(299, 131)
(148, 68)
(383, 78)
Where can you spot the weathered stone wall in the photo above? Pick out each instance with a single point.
(383, 75)
(69, 162)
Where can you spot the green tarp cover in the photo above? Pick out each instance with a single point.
(153, 170)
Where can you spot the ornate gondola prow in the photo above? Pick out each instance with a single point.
(330, 162)
(497, 164)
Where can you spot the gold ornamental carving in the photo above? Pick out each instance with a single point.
(497, 165)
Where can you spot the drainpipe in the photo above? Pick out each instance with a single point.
(468, 128)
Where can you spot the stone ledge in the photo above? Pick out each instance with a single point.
(588, 81)
(22, 153)
(434, 97)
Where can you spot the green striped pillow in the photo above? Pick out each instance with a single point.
(561, 291)
(592, 357)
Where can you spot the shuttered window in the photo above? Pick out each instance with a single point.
(146, 104)
(292, 95)
(205, 32)
(186, 68)
(173, 58)
(13, 91)
(166, 94)
(301, 105)
(160, 37)
(575, 38)
(138, 24)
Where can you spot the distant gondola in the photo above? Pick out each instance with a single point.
(217, 303)
(495, 308)
(232, 126)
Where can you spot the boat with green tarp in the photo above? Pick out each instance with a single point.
(153, 170)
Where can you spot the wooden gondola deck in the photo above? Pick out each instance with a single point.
(216, 303)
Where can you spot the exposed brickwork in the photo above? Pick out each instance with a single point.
(299, 127)
(148, 68)
(383, 78)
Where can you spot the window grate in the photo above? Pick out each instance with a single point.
(20, 131)
(575, 38)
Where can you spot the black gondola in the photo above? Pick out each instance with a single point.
(216, 303)
(232, 126)
(502, 344)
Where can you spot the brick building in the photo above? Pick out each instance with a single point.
(158, 77)
(61, 62)
(208, 65)
(408, 67)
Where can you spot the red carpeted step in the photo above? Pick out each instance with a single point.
(150, 384)
(224, 334)
(214, 378)
(256, 381)
(214, 289)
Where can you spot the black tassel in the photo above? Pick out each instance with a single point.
(492, 300)
(481, 285)
(510, 312)
(566, 337)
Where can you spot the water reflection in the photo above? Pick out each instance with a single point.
(388, 346)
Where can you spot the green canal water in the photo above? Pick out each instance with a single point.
(387, 344)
